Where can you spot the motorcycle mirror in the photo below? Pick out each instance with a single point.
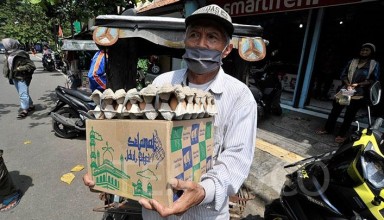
(375, 93)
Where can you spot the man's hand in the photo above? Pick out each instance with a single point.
(192, 195)
(88, 181)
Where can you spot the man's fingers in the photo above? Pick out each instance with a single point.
(179, 184)
(162, 210)
(146, 204)
(88, 180)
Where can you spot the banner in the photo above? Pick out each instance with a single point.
(255, 7)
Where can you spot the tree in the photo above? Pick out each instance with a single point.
(80, 10)
(23, 21)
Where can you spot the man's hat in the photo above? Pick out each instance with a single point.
(370, 46)
(213, 12)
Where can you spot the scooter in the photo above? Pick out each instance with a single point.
(48, 62)
(346, 183)
(59, 63)
(266, 88)
(71, 111)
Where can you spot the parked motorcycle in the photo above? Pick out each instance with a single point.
(71, 111)
(48, 62)
(266, 88)
(59, 63)
(119, 208)
(346, 183)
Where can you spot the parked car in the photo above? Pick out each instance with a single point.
(2, 48)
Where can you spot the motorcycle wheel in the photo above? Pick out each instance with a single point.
(64, 131)
(50, 68)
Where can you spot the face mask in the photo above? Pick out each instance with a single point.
(201, 60)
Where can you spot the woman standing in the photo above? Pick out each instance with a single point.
(358, 75)
(18, 68)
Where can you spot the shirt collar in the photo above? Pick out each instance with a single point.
(217, 84)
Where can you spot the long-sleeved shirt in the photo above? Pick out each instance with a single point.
(235, 128)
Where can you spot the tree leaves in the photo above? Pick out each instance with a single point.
(23, 21)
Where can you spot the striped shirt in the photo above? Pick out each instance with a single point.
(235, 128)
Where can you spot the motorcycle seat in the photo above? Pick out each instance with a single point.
(82, 95)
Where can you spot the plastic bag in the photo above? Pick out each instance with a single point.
(343, 97)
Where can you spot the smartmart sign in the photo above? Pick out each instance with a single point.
(254, 7)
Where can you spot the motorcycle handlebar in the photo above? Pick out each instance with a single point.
(378, 123)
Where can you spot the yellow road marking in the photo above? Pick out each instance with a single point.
(279, 152)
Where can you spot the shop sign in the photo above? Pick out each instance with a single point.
(253, 7)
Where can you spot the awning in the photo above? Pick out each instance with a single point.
(79, 45)
(169, 32)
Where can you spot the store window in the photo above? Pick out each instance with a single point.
(285, 32)
(344, 30)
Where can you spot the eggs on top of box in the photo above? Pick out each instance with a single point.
(166, 102)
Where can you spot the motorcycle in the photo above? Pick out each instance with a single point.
(71, 111)
(59, 63)
(48, 62)
(346, 183)
(266, 88)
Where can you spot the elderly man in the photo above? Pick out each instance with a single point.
(207, 42)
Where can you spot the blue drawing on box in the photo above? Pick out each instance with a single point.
(143, 150)
(195, 134)
(177, 194)
(187, 158)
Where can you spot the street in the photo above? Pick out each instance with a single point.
(36, 158)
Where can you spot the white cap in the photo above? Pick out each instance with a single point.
(212, 12)
(371, 46)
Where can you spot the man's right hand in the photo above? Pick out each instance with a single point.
(88, 181)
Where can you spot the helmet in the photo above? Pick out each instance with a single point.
(370, 46)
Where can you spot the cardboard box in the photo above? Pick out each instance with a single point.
(136, 158)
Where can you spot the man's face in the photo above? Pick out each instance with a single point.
(206, 35)
(365, 52)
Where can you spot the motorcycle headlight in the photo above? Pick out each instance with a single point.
(373, 167)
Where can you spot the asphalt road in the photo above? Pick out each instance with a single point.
(36, 158)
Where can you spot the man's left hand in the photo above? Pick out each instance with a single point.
(192, 195)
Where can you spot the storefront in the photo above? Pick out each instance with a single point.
(314, 39)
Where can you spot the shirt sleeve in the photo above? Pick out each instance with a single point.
(233, 164)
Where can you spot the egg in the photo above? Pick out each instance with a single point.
(128, 106)
(142, 105)
(173, 103)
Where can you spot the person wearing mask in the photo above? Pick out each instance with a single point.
(18, 68)
(207, 41)
(357, 76)
(9, 195)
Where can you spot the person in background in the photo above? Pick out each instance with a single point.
(18, 68)
(9, 195)
(207, 42)
(46, 53)
(97, 75)
(357, 75)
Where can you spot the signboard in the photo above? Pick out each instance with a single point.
(255, 7)
(79, 45)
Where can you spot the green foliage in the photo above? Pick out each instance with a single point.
(68, 11)
(142, 64)
(24, 21)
